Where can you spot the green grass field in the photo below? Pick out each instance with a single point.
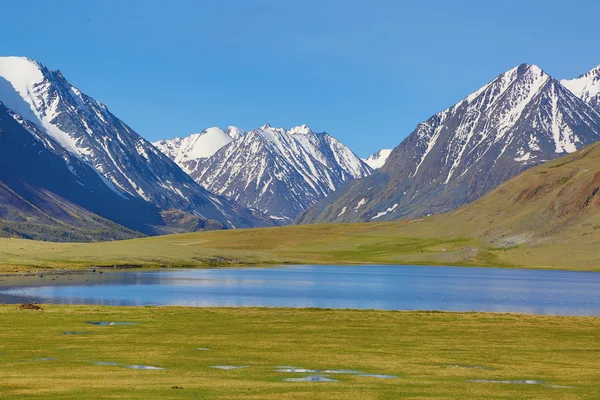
(432, 241)
(429, 352)
(316, 244)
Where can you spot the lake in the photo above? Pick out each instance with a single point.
(366, 287)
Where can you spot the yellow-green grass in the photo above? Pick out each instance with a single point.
(423, 349)
(430, 241)
(316, 244)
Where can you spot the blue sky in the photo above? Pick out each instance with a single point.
(365, 71)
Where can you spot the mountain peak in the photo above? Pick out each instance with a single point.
(234, 132)
(196, 145)
(529, 67)
(300, 130)
(21, 72)
(529, 76)
(594, 72)
(20, 61)
(377, 159)
(265, 126)
(586, 87)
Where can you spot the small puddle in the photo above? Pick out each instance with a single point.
(76, 333)
(379, 376)
(314, 378)
(514, 382)
(522, 382)
(296, 370)
(228, 367)
(42, 359)
(143, 367)
(465, 366)
(105, 323)
(203, 348)
(107, 363)
(339, 371)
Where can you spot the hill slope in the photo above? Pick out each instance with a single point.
(522, 118)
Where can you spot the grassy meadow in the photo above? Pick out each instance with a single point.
(434, 355)
(431, 241)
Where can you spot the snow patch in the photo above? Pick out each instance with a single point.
(389, 210)
(376, 160)
(361, 203)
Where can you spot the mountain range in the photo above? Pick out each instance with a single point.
(101, 164)
(522, 118)
(71, 170)
(277, 171)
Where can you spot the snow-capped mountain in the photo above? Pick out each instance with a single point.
(197, 145)
(377, 159)
(40, 190)
(586, 87)
(521, 118)
(83, 131)
(279, 172)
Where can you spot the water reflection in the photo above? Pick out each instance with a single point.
(378, 287)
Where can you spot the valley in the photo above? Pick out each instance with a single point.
(299, 200)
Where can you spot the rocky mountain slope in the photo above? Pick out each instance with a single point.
(83, 133)
(40, 190)
(522, 118)
(279, 172)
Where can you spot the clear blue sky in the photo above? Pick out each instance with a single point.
(365, 71)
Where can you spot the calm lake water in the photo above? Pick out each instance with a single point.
(375, 287)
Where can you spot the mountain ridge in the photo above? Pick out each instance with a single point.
(277, 171)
